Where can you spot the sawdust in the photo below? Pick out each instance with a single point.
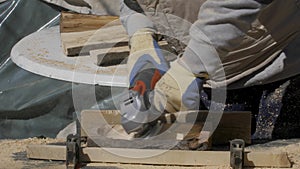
(13, 155)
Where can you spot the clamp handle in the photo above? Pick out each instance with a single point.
(237, 149)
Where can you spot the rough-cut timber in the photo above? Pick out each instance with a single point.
(232, 125)
(119, 54)
(171, 157)
(79, 43)
(110, 56)
(107, 132)
(74, 22)
(175, 139)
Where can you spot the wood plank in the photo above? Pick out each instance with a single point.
(267, 158)
(110, 56)
(75, 43)
(119, 54)
(140, 166)
(75, 22)
(104, 130)
(171, 157)
(232, 125)
(46, 152)
(174, 139)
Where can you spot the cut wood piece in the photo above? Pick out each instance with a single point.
(160, 157)
(179, 137)
(119, 54)
(147, 144)
(74, 22)
(267, 158)
(75, 43)
(233, 125)
(110, 56)
(46, 152)
(105, 130)
(189, 158)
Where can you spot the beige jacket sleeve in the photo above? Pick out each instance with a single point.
(134, 20)
(220, 28)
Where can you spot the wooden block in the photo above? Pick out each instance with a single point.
(76, 43)
(75, 22)
(46, 152)
(233, 125)
(119, 54)
(267, 158)
(161, 157)
(181, 136)
(110, 56)
(104, 129)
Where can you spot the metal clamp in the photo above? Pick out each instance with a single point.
(237, 148)
(73, 152)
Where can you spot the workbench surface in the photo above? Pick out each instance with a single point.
(41, 53)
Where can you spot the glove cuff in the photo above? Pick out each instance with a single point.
(143, 35)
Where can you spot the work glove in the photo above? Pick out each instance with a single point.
(178, 89)
(145, 53)
(146, 65)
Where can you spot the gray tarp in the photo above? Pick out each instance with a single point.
(97, 7)
(45, 104)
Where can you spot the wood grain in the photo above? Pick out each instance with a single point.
(162, 157)
(80, 43)
(233, 125)
(75, 22)
(119, 54)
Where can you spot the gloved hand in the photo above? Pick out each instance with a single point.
(146, 65)
(178, 89)
(145, 53)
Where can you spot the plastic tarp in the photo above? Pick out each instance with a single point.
(32, 105)
(97, 7)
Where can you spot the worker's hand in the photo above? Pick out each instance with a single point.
(145, 51)
(178, 90)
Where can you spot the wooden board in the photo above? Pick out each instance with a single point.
(174, 138)
(233, 125)
(75, 22)
(171, 157)
(80, 43)
(104, 130)
(119, 54)
(81, 33)
(110, 56)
